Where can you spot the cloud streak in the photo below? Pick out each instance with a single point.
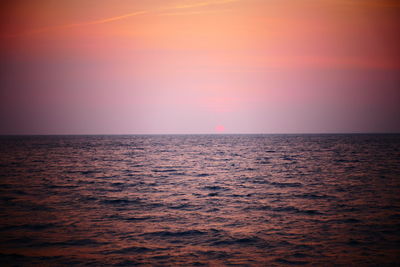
(122, 17)
(188, 13)
(73, 25)
(203, 4)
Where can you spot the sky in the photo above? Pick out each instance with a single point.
(199, 66)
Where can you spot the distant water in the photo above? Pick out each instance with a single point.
(248, 200)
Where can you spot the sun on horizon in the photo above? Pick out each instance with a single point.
(219, 129)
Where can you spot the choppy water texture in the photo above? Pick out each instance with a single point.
(215, 200)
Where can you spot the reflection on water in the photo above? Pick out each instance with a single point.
(214, 200)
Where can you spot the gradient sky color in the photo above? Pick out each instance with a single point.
(199, 66)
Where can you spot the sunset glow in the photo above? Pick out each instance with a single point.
(184, 66)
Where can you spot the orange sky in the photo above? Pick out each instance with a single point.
(188, 66)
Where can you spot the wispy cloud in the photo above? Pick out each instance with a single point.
(73, 25)
(100, 21)
(187, 13)
(203, 4)
(125, 16)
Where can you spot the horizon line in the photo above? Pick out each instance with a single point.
(154, 134)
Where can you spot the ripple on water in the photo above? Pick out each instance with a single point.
(201, 200)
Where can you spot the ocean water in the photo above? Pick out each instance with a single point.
(200, 200)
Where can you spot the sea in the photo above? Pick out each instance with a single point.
(200, 200)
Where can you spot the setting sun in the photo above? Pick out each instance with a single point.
(219, 129)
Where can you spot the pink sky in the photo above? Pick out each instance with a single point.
(199, 66)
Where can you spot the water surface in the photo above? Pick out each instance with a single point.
(249, 200)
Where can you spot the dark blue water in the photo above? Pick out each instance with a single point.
(248, 200)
